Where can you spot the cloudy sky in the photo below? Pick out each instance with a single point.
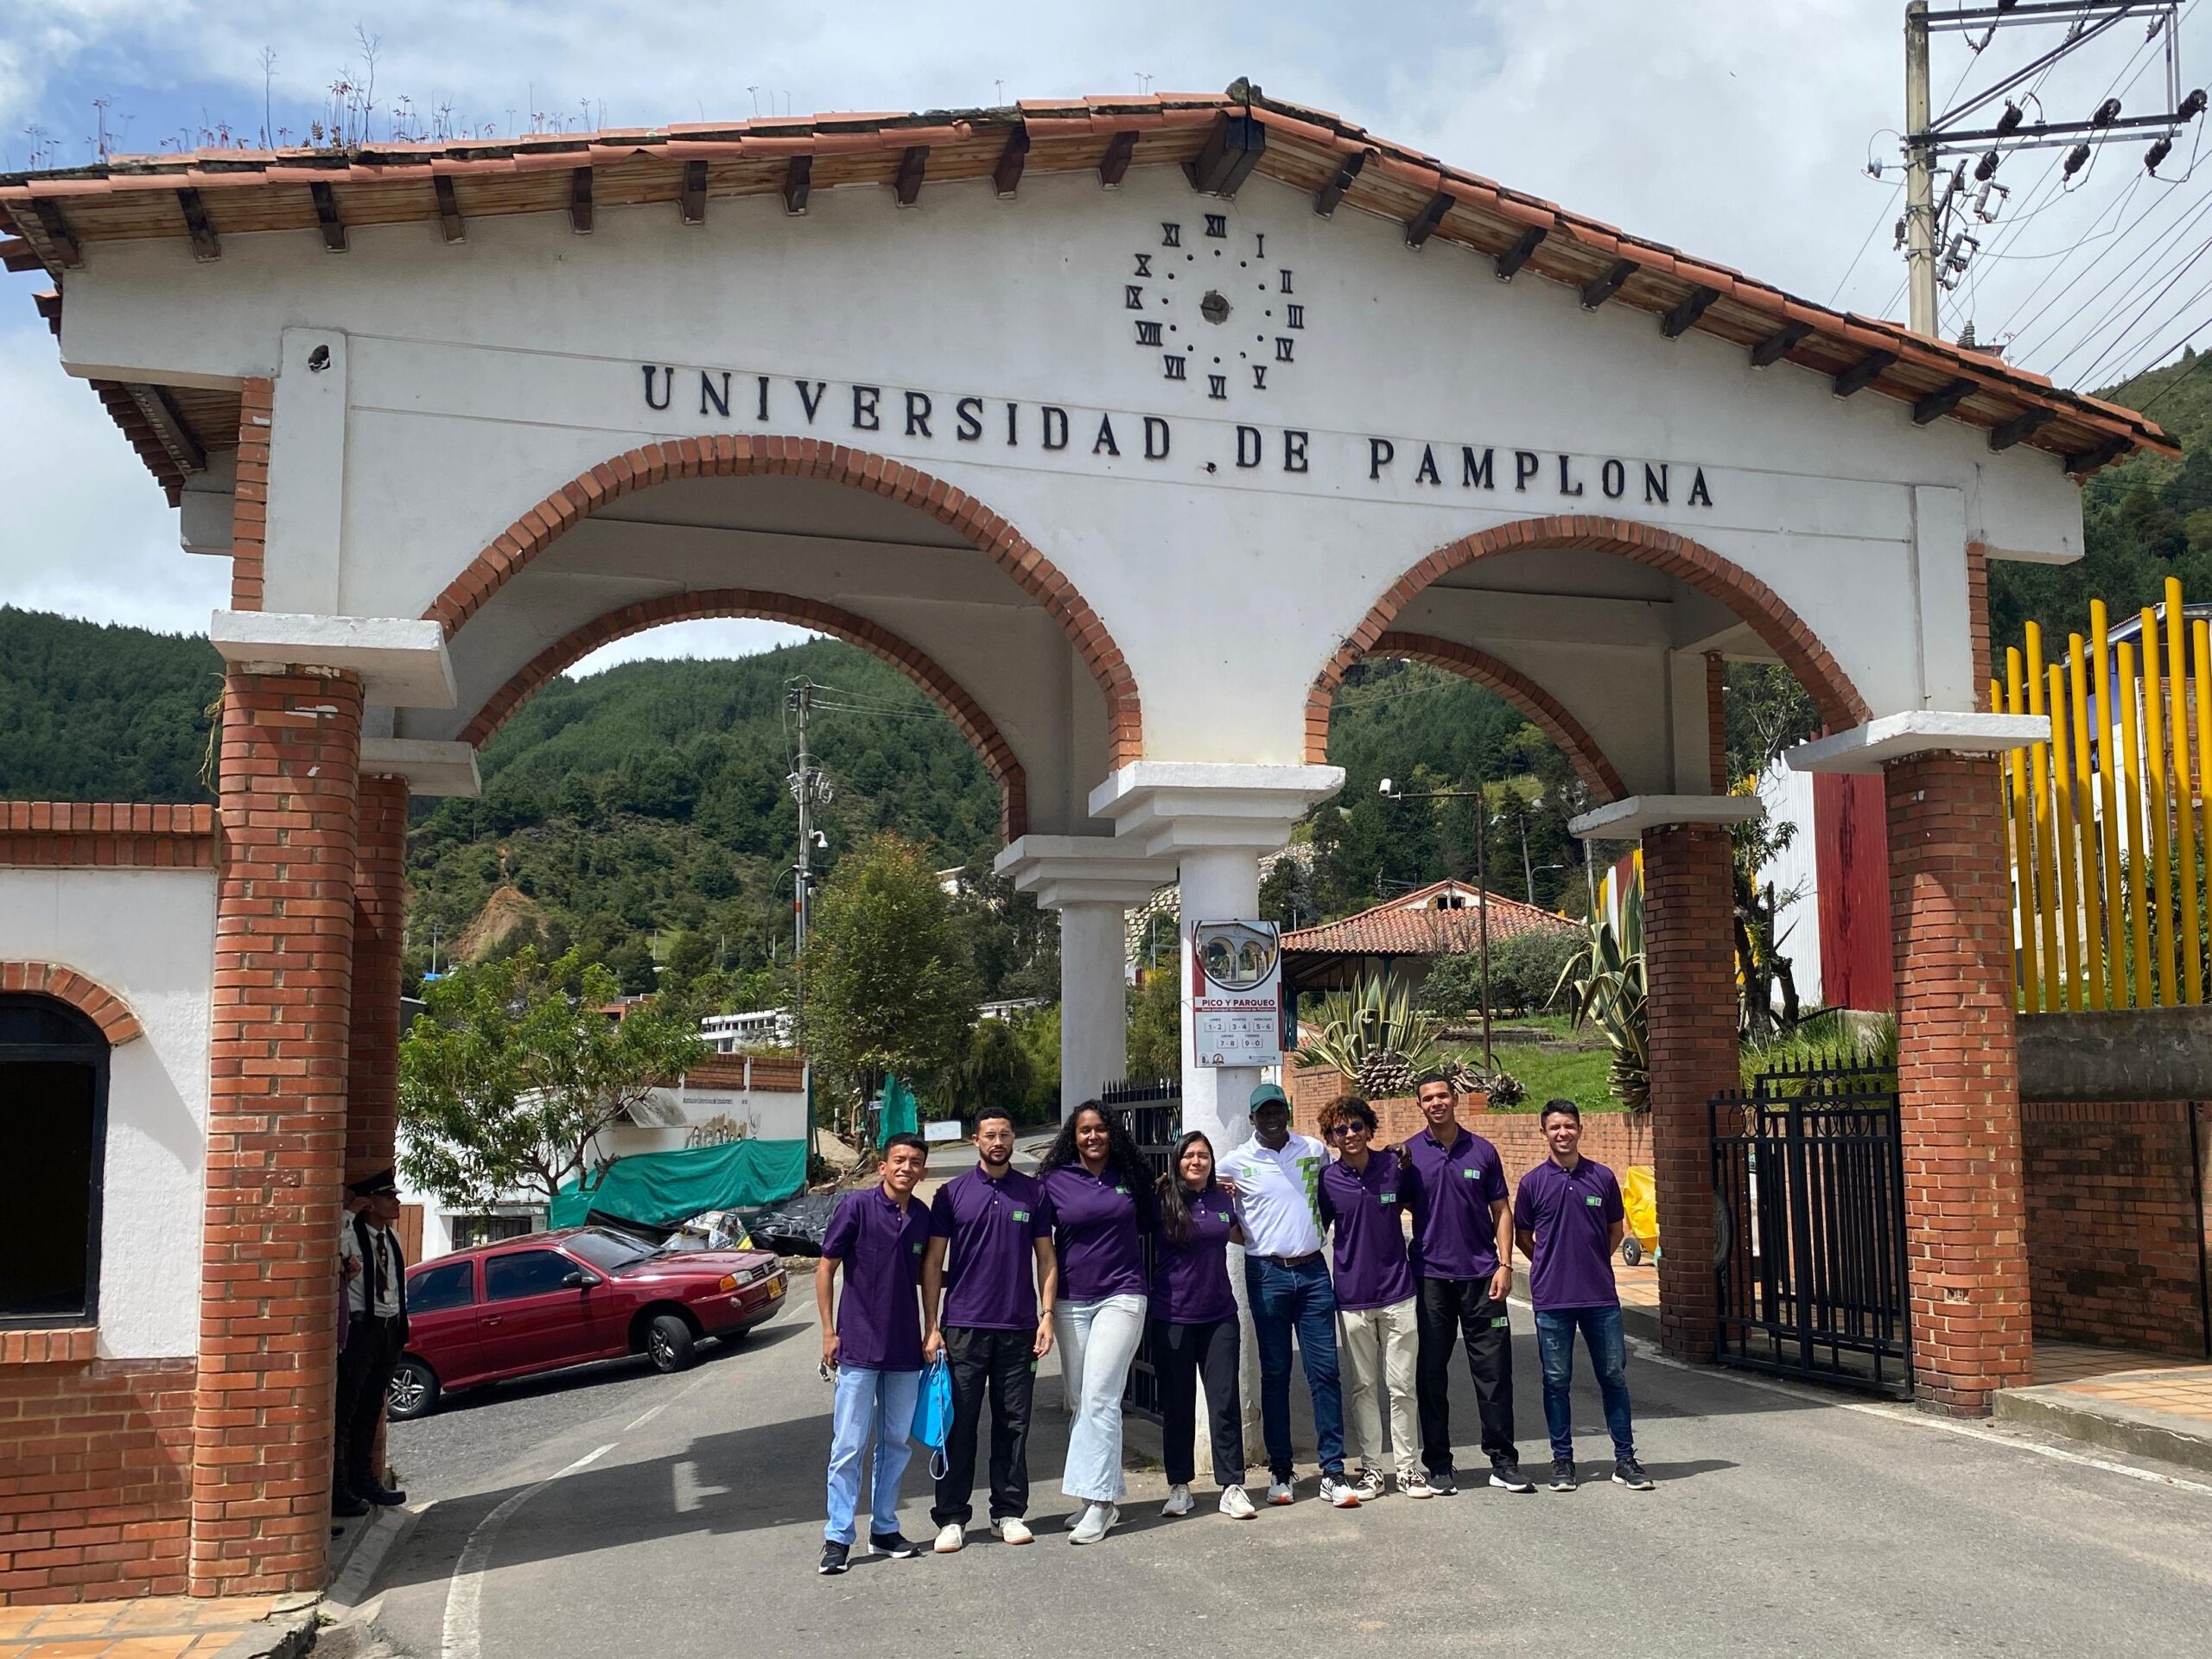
(1738, 130)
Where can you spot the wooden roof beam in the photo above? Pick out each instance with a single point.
(18, 255)
(1942, 401)
(1684, 315)
(169, 426)
(2025, 424)
(799, 184)
(205, 247)
(2088, 460)
(325, 215)
(58, 234)
(579, 202)
(1326, 198)
(692, 198)
(1510, 262)
(1113, 165)
(1779, 344)
(1422, 224)
(1863, 373)
(1006, 177)
(907, 186)
(1599, 290)
(1232, 149)
(449, 220)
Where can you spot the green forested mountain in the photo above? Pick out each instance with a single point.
(90, 713)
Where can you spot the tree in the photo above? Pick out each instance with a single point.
(997, 1070)
(888, 989)
(506, 1078)
(1155, 1043)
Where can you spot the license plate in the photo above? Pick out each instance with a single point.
(775, 1288)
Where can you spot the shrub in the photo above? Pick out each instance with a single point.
(1523, 970)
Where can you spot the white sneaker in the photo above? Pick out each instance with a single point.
(1178, 1502)
(949, 1538)
(1416, 1485)
(1279, 1492)
(1337, 1493)
(1097, 1520)
(1369, 1485)
(1013, 1530)
(1236, 1505)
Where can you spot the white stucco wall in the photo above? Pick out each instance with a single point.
(148, 937)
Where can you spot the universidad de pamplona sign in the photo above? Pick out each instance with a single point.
(859, 413)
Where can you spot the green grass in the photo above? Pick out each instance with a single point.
(1577, 1074)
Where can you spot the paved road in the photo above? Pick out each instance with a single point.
(1784, 1523)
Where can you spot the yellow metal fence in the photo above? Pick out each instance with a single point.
(2107, 819)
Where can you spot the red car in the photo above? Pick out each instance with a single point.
(551, 1300)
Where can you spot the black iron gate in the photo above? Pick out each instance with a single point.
(1151, 1115)
(1809, 1201)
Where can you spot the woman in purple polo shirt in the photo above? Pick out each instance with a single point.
(1194, 1326)
(1100, 1192)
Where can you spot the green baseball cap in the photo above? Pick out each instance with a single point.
(1267, 1094)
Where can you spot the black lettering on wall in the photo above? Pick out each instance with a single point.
(1156, 438)
(1144, 265)
(1148, 334)
(1217, 224)
(719, 401)
(1381, 452)
(1476, 475)
(1056, 427)
(1259, 376)
(1525, 466)
(1567, 485)
(917, 415)
(1248, 446)
(1655, 483)
(1259, 244)
(1283, 345)
(1612, 479)
(1699, 496)
(1170, 236)
(1217, 388)
(1104, 441)
(865, 399)
(764, 396)
(1294, 450)
(810, 401)
(1293, 317)
(1426, 473)
(1013, 411)
(1175, 363)
(667, 385)
(970, 413)
(1134, 297)
(1285, 287)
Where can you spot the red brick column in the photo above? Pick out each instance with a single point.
(275, 1133)
(380, 930)
(1690, 959)
(1958, 1079)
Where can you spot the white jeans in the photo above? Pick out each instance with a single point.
(1098, 1341)
(1378, 1346)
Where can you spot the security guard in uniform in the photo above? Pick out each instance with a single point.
(375, 1334)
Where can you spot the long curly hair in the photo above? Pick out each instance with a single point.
(1175, 1198)
(1122, 1154)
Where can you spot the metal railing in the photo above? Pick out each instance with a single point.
(1151, 1114)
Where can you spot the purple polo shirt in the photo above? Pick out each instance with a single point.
(1094, 1230)
(990, 1279)
(880, 1315)
(1363, 1213)
(1190, 1283)
(1454, 1188)
(1571, 1213)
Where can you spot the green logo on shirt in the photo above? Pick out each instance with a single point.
(1386, 1198)
(916, 1248)
(1021, 1215)
(1123, 1191)
(1469, 1173)
(1501, 1324)
(1592, 1200)
(1222, 1216)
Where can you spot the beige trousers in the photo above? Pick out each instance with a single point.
(1377, 1347)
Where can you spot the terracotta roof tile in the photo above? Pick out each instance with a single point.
(1409, 925)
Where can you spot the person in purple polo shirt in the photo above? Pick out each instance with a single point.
(989, 1263)
(872, 1345)
(1101, 1193)
(1194, 1329)
(1362, 1199)
(1462, 1261)
(1567, 1217)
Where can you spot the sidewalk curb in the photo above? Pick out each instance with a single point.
(286, 1633)
(2108, 1423)
(349, 1586)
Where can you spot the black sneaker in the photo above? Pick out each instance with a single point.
(896, 1545)
(836, 1559)
(1443, 1483)
(1628, 1473)
(1507, 1476)
(384, 1498)
(1562, 1474)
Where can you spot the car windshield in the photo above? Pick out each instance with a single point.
(610, 1252)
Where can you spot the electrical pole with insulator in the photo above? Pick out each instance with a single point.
(1919, 175)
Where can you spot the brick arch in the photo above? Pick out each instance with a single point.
(1690, 562)
(747, 456)
(88, 996)
(978, 727)
(1543, 711)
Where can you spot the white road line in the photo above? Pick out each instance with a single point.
(465, 1595)
(1906, 1416)
(644, 1417)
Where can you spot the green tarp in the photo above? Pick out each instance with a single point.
(660, 1189)
(900, 1111)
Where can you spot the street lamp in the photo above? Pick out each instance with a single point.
(1482, 884)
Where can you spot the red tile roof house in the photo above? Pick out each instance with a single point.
(1407, 933)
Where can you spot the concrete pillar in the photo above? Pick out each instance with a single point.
(275, 1133)
(1958, 1078)
(1219, 885)
(1094, 1000)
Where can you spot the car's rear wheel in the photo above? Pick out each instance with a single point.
(669, 1342)
(414, 1391)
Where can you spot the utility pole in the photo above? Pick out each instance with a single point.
(1391, 792)
(1919, 175)
(810, 788)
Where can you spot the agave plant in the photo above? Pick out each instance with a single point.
(1604, 986)
(1373, 1036)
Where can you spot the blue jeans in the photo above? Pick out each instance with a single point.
(1299, 1298)
(881, 1403)
(1601, 1332)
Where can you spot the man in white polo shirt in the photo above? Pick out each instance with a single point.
(1274, 1178)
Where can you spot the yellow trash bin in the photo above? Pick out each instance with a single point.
(1640, 1197)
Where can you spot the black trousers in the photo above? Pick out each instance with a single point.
(1180, 1354)
(1000, 1365)
(364, 1368)
(1451, 1311)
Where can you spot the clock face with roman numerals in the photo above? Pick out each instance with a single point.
(1221, 319)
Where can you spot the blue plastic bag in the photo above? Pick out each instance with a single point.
(933, 1411)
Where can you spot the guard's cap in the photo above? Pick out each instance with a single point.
(1268, 1094)
(380, 1184)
